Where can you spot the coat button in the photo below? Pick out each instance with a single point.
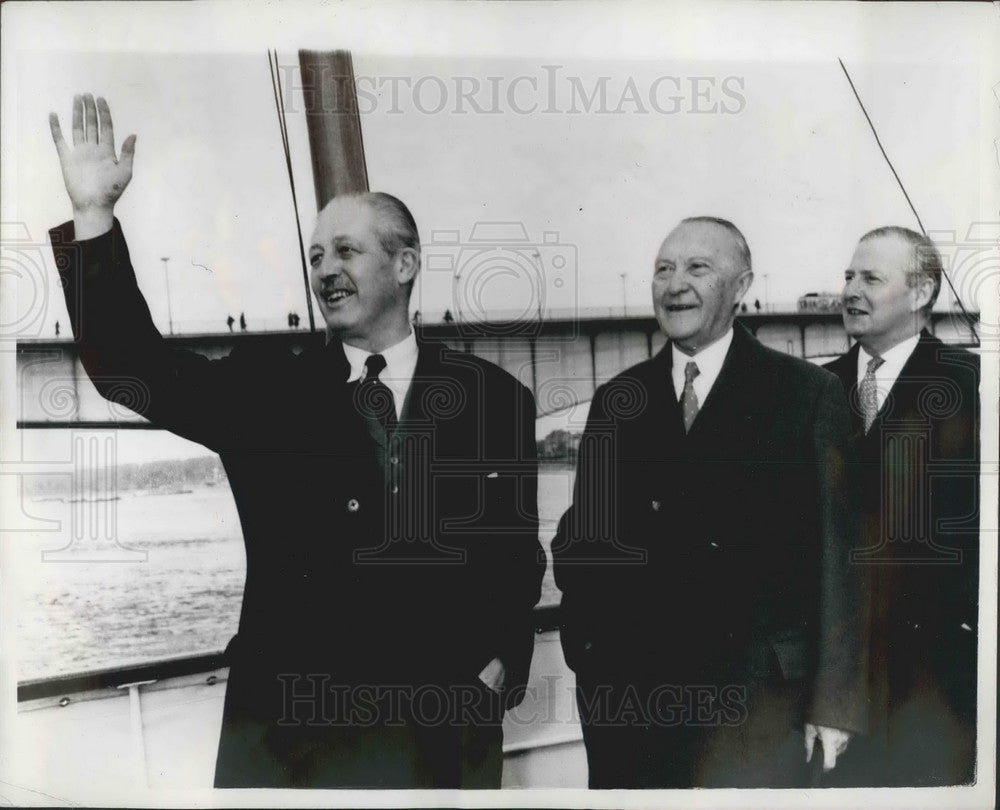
(587, 645)
(395, 489)
(713, 544)
(655, 506)
(394, 460)
(353, 505)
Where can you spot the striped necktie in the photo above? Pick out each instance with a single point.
(376, 397)
(689, 399)
(868, 392)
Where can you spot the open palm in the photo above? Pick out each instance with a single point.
(95, 178)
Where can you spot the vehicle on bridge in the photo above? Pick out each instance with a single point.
(820, 302)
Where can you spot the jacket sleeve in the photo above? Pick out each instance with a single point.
(839, 689)
(125, 356)
(955, 503)
(523, 556)
(578, 539)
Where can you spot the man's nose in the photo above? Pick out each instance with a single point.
(850, 289)
(328, 267)
(678, 282)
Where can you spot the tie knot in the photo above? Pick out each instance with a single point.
(690, 372)
(874, 364)
(374, 366)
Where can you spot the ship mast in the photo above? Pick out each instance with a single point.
(331, 102)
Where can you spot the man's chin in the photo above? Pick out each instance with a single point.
(337, 327)
(684, 340)
(677, 327)
(854, 326)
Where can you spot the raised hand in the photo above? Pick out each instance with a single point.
(94, 176)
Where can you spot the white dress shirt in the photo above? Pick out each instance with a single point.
(400, 366)
(888, 372)
(709, 361)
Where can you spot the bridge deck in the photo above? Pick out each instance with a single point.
(561, 361)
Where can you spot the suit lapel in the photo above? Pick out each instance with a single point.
(326, 395)
(897, 400)
(427, 369)
(333, 358)
(667, 419)
(335, 403)
(846, 368)
(900, 398)
(729, 392)
(662, 397)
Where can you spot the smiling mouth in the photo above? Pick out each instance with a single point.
(336, 296)
(854, 311)
(680, 307)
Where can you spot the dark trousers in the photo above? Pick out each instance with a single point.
(926, 739)
(410, 746)
(646, 735)
(767, 748)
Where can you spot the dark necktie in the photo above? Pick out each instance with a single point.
(868, 392)
(689, 399)
(376, 398)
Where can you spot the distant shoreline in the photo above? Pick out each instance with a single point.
(553, 464)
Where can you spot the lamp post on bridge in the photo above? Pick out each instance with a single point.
(624, 296)
(541, 287)
(166, 278)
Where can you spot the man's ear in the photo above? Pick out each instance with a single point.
(743, 285)
(407, 266)
(923, 289)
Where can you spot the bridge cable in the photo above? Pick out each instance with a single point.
(878, 141)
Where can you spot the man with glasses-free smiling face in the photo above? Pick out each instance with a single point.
(884, 302)
(699, 278)
(363, 258)
(916, 414)
(386, 488)
(704, 561)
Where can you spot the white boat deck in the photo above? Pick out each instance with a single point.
(163, 734)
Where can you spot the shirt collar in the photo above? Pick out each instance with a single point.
(400, 361)
(895, 358)
(709, 359)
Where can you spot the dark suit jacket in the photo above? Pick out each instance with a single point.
(920, 478)
(348, 584)
(722, 554)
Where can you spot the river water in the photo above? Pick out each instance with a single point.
(169, 585)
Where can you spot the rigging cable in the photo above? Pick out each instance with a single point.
(878, 141)
(279, 104)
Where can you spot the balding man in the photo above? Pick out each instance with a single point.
(388, 509)
(916, 413)
(709, 608)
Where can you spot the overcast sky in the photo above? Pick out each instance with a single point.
(483, 114)
(732, 127)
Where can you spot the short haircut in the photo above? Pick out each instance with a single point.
(397, 229)
(742, 248)
(926, 258)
